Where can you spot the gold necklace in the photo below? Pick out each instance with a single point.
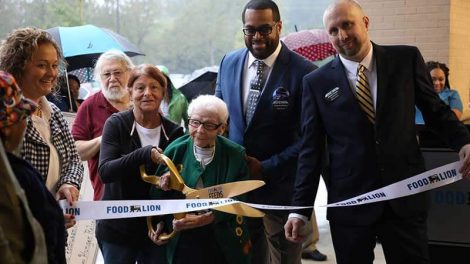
(38, 111)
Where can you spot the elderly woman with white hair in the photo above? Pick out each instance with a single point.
(207, 159)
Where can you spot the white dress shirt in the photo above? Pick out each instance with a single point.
(249, 72)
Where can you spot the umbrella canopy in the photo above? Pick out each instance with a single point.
(83, 45)
(202, 84)
(313, 44)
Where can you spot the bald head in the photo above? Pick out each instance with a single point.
(347, 28)
(342, 4)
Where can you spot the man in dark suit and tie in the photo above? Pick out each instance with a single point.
(363, 103)
(262, 86)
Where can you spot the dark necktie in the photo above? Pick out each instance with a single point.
(256, 86)
(363, 95)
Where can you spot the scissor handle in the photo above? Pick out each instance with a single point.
(164, 236)
(176, 181)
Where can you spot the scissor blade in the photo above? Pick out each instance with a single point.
(225, 190)
(240, 209)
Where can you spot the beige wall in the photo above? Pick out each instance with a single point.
(459, 48)
(422, 23)
(439, 28)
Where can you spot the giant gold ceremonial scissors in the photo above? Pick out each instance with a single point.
(225, 190)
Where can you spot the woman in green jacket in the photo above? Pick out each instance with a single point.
(174, 105)
(208, 159)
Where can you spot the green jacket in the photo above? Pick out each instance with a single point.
(228, 165)
(178, 107)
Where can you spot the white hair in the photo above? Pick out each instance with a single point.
(211, 104)
(112, 54)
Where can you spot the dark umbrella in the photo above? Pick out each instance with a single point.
(83, 45)
(203, 84)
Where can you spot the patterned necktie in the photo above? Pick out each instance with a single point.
(256, 86)
(363, 94)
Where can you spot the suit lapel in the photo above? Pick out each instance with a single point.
(236, 93)
(276, 76)
(341, 79)
(381, 62)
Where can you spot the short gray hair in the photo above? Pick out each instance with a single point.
(112, 54)
(210, 103)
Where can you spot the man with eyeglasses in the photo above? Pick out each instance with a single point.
(262, 86)
(112, 72)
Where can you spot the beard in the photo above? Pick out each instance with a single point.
(261, 54)
(114, 94)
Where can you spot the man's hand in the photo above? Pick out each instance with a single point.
(293, 230)
(464, 155)
(255, 167)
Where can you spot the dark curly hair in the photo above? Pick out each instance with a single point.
(18, 48)
(437, 65)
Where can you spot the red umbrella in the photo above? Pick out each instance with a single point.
(313, 44)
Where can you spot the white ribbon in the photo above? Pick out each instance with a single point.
(428, 180)
(425, 181)
(138, 208)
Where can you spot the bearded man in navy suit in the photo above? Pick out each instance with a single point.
(272, 135)
(369, 149)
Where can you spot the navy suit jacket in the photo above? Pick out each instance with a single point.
(273, 135)
(364, 157)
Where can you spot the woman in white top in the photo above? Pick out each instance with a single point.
(33, 58)
(130, 139)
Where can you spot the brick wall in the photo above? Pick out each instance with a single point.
(439, 28)
(459, 52)
(421, 23)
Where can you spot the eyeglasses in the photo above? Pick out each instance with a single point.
(116, 74)
(206, 125)
(263, 30)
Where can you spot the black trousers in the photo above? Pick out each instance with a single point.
(404, 240)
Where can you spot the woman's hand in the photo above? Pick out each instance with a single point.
(69, 220)
(191, 221)
(165, 182)
(154, 235)
(155, 155)
(69, 192)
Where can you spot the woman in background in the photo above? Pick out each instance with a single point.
(74, 86)
(440, 79)
(175, 105)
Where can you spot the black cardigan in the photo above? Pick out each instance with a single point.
(121, 155)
